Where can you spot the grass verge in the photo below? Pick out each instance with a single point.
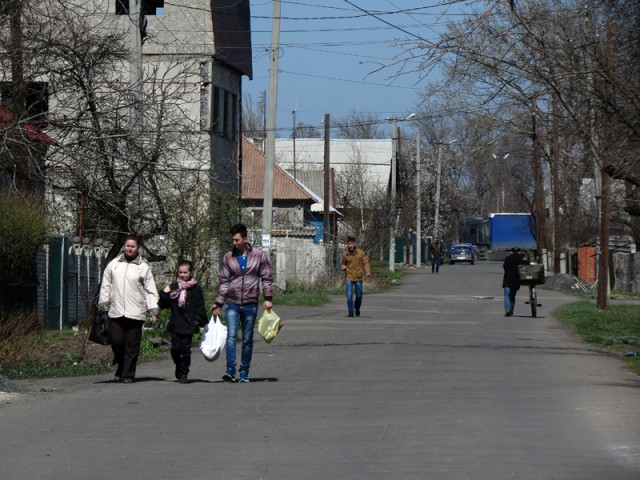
(617, 328)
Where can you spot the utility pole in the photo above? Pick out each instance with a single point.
(436, 214)
(293, 135)
(394, 158)
(267, 206)
(326, 234)
(555, 201)
(418, 205)
(539, 207)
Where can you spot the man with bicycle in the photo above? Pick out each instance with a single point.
(511, 279)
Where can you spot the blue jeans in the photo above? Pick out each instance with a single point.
(509, 298)
(244, 315)
(350, 285)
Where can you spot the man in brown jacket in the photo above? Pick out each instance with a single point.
(356, 264)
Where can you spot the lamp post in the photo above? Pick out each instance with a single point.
(436, 215)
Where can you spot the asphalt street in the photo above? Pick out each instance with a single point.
(431, 382)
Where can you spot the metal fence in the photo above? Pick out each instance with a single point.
(69, 273)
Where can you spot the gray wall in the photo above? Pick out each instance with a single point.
(626, 269)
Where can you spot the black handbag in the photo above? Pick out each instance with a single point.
(100, 329)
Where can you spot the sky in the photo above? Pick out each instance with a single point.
(337, 56)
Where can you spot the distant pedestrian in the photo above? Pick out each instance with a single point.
(188, 315)
(128, 293)
(511, 279)
(437, 252)
(356, 265)
(241, 271)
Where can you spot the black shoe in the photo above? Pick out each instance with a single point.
(183, 379)
(508, 313)
(350, 315)
(177, 373)
(357, 313)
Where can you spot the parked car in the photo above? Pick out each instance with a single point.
(462, 252)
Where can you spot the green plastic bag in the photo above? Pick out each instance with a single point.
(269, 325)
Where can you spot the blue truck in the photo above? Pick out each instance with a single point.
(499, 232)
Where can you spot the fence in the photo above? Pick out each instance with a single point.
(68, 277)
(626, 268)
(296, 259)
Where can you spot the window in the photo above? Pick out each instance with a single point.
(36, 98)
(224, 118)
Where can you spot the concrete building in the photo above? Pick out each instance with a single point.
(173, 103)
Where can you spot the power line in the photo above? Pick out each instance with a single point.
(377, 16)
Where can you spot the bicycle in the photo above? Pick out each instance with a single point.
(532, 275)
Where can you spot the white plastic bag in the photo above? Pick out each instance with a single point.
(214, 338)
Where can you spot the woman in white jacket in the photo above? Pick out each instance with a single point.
(128, 293)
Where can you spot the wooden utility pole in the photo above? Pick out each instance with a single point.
(604, 287)
(270, 152)
(539, 207)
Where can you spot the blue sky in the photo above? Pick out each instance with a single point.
(330, 51)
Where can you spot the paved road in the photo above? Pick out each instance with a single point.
(430, 383)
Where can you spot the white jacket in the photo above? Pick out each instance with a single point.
(128, 289)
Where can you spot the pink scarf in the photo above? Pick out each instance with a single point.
(181, 292)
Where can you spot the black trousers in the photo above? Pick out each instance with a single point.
(181, 352)
(125, 335)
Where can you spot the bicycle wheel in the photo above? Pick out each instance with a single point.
(533, 300)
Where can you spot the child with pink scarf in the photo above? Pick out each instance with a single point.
(188, 315)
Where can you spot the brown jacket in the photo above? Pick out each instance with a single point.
(357, 264)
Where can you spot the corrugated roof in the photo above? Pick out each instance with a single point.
(252, 182)
(370, 158)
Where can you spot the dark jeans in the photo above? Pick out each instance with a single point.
(125, 335)
(350, 304)
(181, 352)
(435, 264)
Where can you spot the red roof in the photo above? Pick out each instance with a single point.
(252, 182)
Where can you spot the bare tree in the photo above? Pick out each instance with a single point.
(122, 162)
(359, 125)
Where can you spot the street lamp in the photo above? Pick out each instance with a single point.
(436, 216)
